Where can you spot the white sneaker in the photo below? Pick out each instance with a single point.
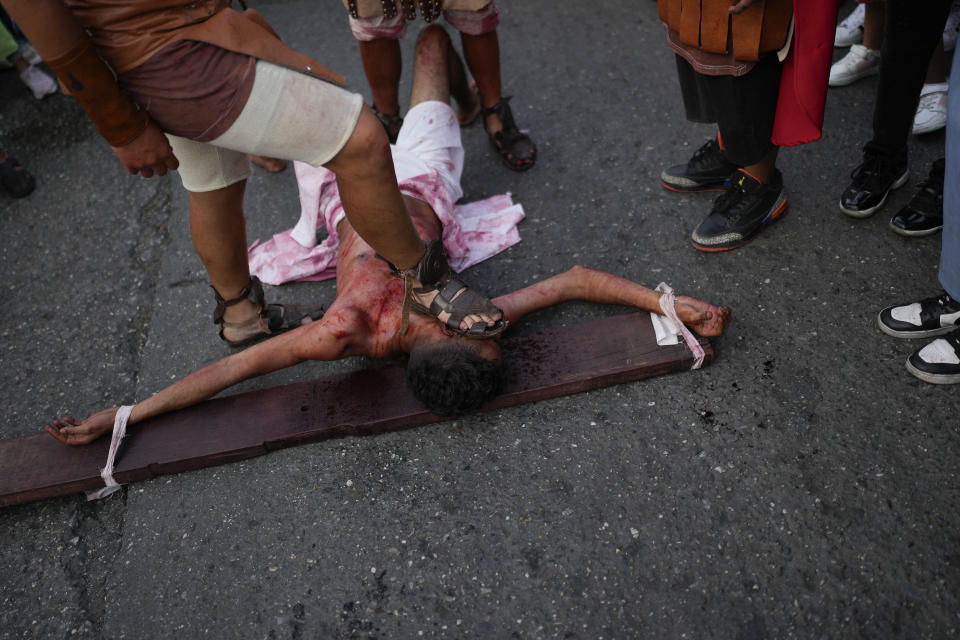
(859, 62)
(850, 30)
(951, 28)
(29, 53)
(40, 83)
(932, 110)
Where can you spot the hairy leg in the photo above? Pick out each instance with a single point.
(431, 76)
(439, 74)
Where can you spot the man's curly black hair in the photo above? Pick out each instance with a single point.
(452, 379)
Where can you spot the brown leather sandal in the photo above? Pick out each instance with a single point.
(272, 319)
(515, 147)
(453, 296)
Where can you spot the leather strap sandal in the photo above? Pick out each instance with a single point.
(272, 319)
(516, 149)
(391, 124)
(453, 296)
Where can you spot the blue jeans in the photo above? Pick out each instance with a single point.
(950, 242)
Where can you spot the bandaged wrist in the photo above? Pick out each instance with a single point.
(91, 82)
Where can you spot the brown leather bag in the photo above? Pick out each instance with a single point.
(708, 25)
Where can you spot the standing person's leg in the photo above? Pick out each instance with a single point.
(863, 59)
(481, 50)
(379, 40)
(950, 240)
(912, 31)
(743, 108)
(216, 180)
(939, 361)
(383, 65)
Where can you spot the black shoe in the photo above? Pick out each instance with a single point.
(929, 317)
(740, 213)
(939, 361)
(923, 215)
(876, 176)
(707, 170)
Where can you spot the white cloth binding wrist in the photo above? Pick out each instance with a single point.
(119, 431)
(667, 304)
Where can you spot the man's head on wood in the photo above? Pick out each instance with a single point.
(454, 376)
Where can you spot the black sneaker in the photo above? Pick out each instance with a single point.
(876, 176)
(707, 170)
(939, 361)
(923, 215)
(929, 317)
(741, 212)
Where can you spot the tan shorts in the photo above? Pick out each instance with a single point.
(289, 115)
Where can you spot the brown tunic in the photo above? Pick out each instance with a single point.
(127, 34)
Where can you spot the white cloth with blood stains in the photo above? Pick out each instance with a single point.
(428, 159)
(670, 329)
(119, 433)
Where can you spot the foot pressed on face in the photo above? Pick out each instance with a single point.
(435, 291)
(704, 318)
(481, 318)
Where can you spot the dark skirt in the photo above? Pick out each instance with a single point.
(743, 107)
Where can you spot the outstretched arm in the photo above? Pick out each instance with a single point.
(590, 285)
(314, 341)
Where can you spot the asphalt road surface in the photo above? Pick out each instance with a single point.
(804, 485)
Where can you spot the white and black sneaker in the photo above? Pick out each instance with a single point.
(929, 317)
(939, 361)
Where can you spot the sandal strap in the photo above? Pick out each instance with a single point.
(504, 112)
(253, 292)
(444, 298)
(459, 300)
(431, 272)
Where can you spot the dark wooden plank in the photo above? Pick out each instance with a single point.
(538, 366)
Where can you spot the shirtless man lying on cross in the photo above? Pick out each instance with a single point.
(449, 373)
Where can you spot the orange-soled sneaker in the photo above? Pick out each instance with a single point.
(707, 170)
(741, 212)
